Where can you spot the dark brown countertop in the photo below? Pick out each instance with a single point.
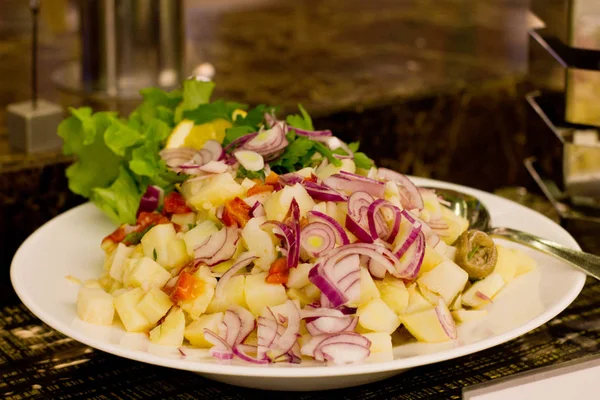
(330, 55)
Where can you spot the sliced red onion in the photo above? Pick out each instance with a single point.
(411, 260)
(250, 160)
(483, 296)
(358, 206)
(220, 349)
(409, 193)
(215, 149)
(326, 325)
(384, 232)
(291, 235)
(287, 312)
(374, 251)
(240, 351)
(432, 238)
(243, 261)
(316, 346)
(341, 236)
(316, 238)
(258, 210)
(290, 179)
(344, 353)
(338, 278)
(267, 333)
(270, 119)
(350, 183)
(311, 134)
(219, 247)
(322, 192)
(376, 269)
(407, 235)
(247, 324)
(316, 312)
(358, 230)
(214, 167)
(151, 199)
(268, 143)
(446, 319)
(240, 141)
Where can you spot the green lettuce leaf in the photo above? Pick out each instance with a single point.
(83, 135)
(121, 199)
(195, 93)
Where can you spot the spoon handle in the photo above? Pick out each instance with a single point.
(587, 262)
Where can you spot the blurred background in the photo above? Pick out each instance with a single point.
(501, 95)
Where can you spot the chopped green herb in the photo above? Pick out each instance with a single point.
(301, 121)
(136, 237)
(191, 226)
(244, 173)
(362, 161)
(472, 252)
(154, 255)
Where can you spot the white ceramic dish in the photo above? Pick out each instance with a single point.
(70, 245)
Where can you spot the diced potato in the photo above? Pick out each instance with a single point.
(204, 274)
(211, 192)
(300, 296)
(95, 306)
(431, 259)
(430, 296)
(525, 263)
(126, 305)
(198, 305)
(260, 294)
(488, 286)
(194, 332)
(393, 293)
(233, 293)
(278, 203)
(154, 305)
(447, 280)
(147, 273)
(94, 283)
(426, 326)
(197, 235)
(457, 303)
(456, 225)
(320, 207)
(312, 292)
(368, 289)
(299, 276)
(463, 315)
(170, 332)
(378, 317)
(348, 166)
(326, 171)
(185, 221)
(380, 342)
(161, 244)
(117, 264)
(260, 242)
(225, 265)
(416, 301)
(506, 264)
(247, 184)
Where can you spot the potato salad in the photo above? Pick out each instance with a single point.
(257, 253)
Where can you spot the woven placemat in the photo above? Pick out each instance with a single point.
(38, 362)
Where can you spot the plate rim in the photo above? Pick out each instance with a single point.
(295, 372)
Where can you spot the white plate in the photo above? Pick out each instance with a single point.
(70, 245)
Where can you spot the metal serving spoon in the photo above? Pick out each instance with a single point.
(474, 211)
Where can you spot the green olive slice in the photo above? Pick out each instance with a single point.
(476, 253)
